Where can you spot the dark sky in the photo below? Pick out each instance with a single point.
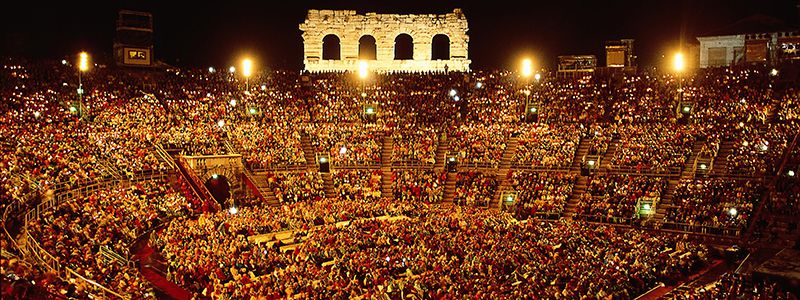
(216, 33)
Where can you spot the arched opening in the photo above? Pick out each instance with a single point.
(219, 187)
(403, 47)
(367, 49)
(440, 47)
(331, 47)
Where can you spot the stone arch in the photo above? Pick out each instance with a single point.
(403, 47)
(331, 47)
(230, 174)
(440, 47)
(367, 48)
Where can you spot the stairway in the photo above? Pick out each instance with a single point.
(328, 184)
(666, 200)
(190, 177)
(386, 151)
(308, 151)
(577, 190)
(260, 181)
(508, 154)
(721, 161)
(441, 152)
(583, 149)
(386, 183)
(612, 149)
(503, 185)
(688, 166)
(449, 188)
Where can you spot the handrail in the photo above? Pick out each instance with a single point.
(40, 255)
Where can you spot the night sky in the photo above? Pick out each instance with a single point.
(190, 34)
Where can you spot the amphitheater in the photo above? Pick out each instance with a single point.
(196, 184)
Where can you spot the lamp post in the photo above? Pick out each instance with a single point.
(83, 66)
(363, 73)
(679, 65)
(247, 70)
(527, 71)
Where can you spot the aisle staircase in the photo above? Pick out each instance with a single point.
(667, 200)
(386, 151)
(327, 180)
(577, 190)
(386, 183)
(583, 149)
(688, 167)
(308, 151)
(260, 181)
(612, 149)
(441, 152)
(721, 161)
(449, 188)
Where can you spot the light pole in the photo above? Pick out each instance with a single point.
(679, 65)
(83, 66)
(363, 73)
(247, 70)
(527, 71)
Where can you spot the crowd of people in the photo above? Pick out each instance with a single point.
(92, 234)
(549, 146)
(541, 192)
(715, 202)
(474, 188)
(614, 197)
(290, 187)
(418, 185)
(357, 184)
(432, 253)
(50, 143)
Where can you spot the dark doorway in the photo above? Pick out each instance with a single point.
(440, 47)
(403, 47)
(367, 49)
(331, 47)
(219, 187)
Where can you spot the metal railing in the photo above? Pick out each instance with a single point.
(32, 249)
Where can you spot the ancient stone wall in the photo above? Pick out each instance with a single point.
(349, 27)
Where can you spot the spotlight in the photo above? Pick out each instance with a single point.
(63, 61)
(215, 176)
(453, 93)
(533, 109)
(774, 72)
(646, 206)
(323, 160)
(36, 114)
(733, 211)
(233, 102)
(537, 76)
(343, 150)
(452, 158)
(221, 123)
(252, 111)
(686, 109)
(232, 69)
(479, 84)
(591, 163)
(263, 87)
(703, 166)
(211, 70)
(456, 98)
(233, 210)
(790, 173)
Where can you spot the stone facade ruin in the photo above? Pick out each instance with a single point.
(336, 40)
